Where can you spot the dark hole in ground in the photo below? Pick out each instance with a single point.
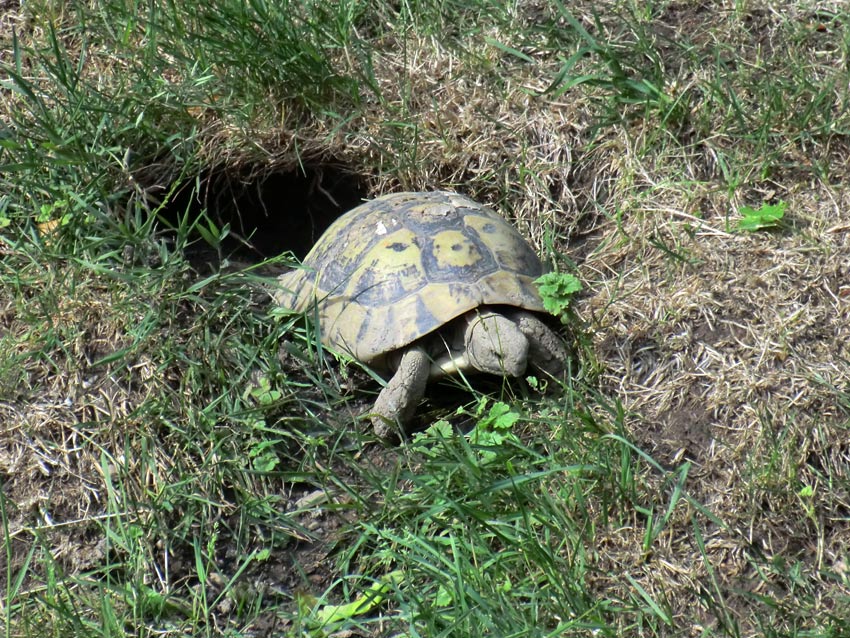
(268, 213)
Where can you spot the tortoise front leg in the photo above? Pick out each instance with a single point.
(547, 351)
(396, 403)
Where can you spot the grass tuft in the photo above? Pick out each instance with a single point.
(177, 458)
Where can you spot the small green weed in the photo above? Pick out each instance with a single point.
(766, 217)
(493, 428)
(557, 290)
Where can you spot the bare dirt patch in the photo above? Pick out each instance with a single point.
(751, 324)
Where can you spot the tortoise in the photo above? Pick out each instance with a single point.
(422, 285)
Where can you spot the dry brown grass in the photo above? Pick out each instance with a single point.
(735, 362)
(729, 351)
(732, 355)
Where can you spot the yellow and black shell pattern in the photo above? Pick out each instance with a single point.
(399, 267)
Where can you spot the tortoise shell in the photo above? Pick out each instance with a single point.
(399, 267)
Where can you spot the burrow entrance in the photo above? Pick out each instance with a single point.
(268, 213)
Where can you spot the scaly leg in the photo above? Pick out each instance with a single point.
(397, 402)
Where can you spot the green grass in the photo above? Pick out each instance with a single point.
(176, 459)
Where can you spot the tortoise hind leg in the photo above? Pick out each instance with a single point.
(397, 401)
